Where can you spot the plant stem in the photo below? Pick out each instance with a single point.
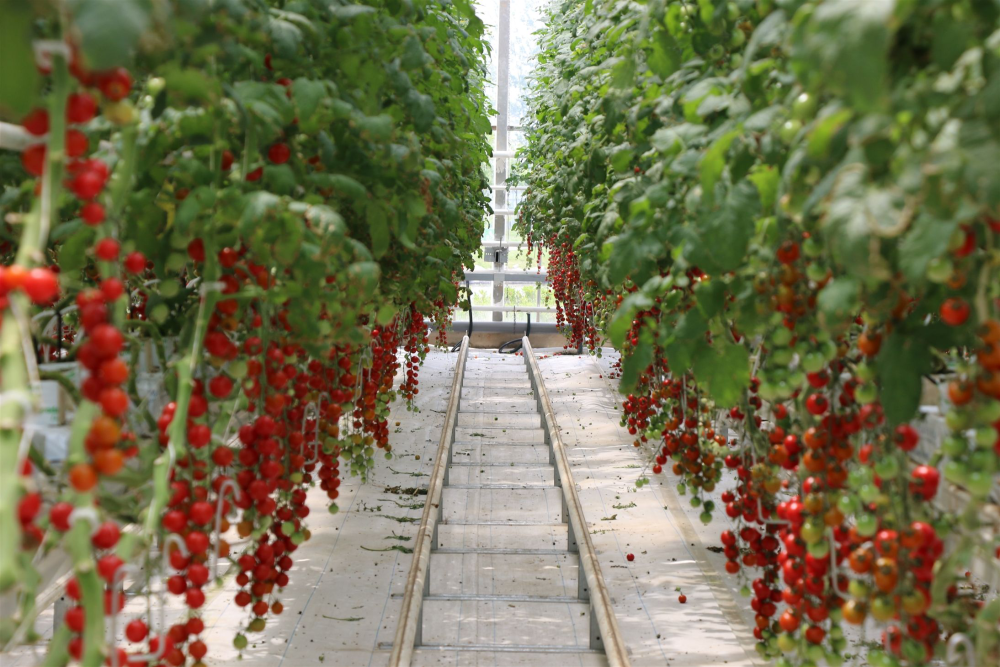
(13, 365)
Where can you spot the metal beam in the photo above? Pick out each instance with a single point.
(500, 174)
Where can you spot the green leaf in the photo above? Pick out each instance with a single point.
(901, 364)
(845, 44)
(280, 178)
(714, 162)
(723, 369)
(711, 297)
(109, 30)
(682, 341)
(378, 227)
(73, 253)
(260, 207)
(287, 247)
(386, 313)
(413, 56)
(20, 79)
(636, 363)
(421, 108)
(187, 212)
(665, 56)
(286, 37)
(823, 132)
(622, 158)
(345, 185)
(621, 323)
(189, 84)
(307, 95)
(378, 128)
(365, 275)
(734, 222)
(623, 73)
(349, 12)
(839, 300)
(926, 239)
(767, 179)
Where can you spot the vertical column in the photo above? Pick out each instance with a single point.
(500, 176)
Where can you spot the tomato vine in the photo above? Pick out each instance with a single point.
(230, 215)
(782, 215)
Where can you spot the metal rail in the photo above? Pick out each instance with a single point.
(596, 591)
(418, 580)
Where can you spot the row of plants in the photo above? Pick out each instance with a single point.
(236, 218)
(785, 215)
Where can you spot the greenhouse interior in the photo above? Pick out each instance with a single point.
(388, 333)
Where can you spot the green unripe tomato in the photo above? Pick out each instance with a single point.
(737, 39)
(795, 380)
(865, 372)
(813, 362)
(866, 393)
(858, 589)
(939, 270)
(781, 337)
(178, 241)
(170, 287)
(954, 446)
(781, 356)
(816, 653)
(847, 504)
(155, 85)
(811, 248)
(175, 262)
(706, 517)
(816, 272)
(887, 467)
(789, 130)
(732, 11)
(237, 369)
(295, 477)
(812, 530)
(878, 658)
(829, 350)
(160, 313)
(695, 501)
(866, 524)
(986, 436)
(957, 420)
(804, 107)
(298, 538)
(955, 472)
(979, 483)
(288, 527)
(988, 412)
(819, 549)
(240, 642)
(764, 7)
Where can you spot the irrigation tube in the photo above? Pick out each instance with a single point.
(418, 581)
(600, 600)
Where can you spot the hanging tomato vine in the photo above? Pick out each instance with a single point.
(230, 216)
(785, 216)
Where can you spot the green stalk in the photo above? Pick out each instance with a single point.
(13, 365)
(185, 371)
(57, 654)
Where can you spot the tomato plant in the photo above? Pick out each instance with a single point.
(780, 212)
(260, 200)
